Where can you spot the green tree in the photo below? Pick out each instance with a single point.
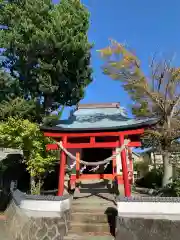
(6, 84)
(47, 50)
(26, 136)
(13, 107)
(11, 100)
(157, 95)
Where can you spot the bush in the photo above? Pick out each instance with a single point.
(152, 179)
(26, 136)
(141, 167)
(172, 189)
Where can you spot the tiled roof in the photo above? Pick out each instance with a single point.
(100, 117)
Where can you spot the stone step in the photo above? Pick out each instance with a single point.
(94, 216)
(104, 199)
(88, 197)
(3, 231)
(3, 217)
(92, 181)
(93, 185)
(90, 228)
(93, 207)
(88, 237)
(86, 210)
(73, 237)
(93, 190)
(92, 201)
(89, 200)
(89, 217)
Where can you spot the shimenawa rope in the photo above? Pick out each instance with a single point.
(105, 161)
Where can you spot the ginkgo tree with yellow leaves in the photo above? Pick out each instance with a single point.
(156, 95)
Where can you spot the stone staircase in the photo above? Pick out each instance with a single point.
(3, 230)
(93, 216)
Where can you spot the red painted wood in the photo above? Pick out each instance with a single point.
(92, 140)
(77, 166)
(114, 163)
(134, 144)
(91, 145)
(62, 169)
(124, 169)
(93, 176)
(95, 134)
(121, 181)
(131, 163)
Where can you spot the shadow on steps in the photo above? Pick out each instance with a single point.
(111, 214)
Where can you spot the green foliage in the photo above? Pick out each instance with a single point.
(172, 189)
(36, 187)
(19, 107)
(142, 167)
(52, 119)
(47, 51)
(8, 86)
(24, 135)
(12, 101)
(152, 179)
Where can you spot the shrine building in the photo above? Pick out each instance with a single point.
(92, 133)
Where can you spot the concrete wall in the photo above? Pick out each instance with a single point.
(38, 217)
(148, 218)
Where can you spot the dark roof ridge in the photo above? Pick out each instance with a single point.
(98, 105)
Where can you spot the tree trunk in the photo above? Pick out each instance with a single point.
(32, 184)
(154, 156)
(168, 169)
(174, 171)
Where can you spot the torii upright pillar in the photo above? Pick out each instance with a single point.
(62, 165)
(127, 189)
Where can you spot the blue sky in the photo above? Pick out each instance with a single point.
(146, 26)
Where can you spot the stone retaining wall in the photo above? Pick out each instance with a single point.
(38, 217)
(148, 218)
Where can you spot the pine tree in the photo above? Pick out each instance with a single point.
(6, 85)
(47, 49)
(157, 95)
